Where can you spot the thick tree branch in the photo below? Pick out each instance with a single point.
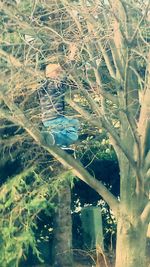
(116, 59)
(119, 41)
(130, 107)
(147, 161)
(145, 216)
(144, 119)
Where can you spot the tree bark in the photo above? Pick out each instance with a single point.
(63, 228)
(131, 243)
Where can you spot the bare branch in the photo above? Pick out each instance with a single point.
(104, 53)
(139, 24)
(89, 117)
(18, 64)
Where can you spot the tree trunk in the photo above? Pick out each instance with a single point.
(131, 243)
(63, 228)
(131, 232)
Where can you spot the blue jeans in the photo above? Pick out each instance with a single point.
(64, 130)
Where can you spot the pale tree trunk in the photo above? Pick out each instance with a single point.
(131, 243)
(63, 228)
(131, 230)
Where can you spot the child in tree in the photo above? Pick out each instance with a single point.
(63, 129)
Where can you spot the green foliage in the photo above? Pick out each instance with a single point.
(109, 225)
(21, 199)
(96, 146)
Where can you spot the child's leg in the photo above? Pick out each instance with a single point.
(64, 130)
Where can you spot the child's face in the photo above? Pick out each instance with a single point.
(54, 74)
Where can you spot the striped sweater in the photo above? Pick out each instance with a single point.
(51, 96)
